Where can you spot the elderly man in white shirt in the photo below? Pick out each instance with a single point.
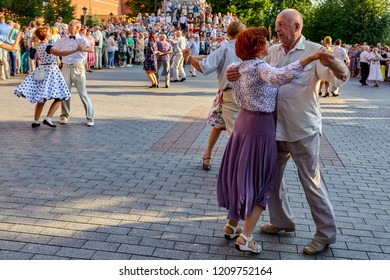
(298, 132)
(179, 44)
(73, 71)
(365, 65)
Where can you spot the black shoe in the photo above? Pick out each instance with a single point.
(153, 86)
(48, 123)
(182, 79)
(320, 93)
(335, 94)
(167, 86)
(206, 167)
(326, 94)
(34, 125)
(360, 81)
(156, 85)
(174, 81)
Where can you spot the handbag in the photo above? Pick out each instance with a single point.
(39, 74)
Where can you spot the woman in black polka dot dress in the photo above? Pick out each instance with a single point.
(52, 87)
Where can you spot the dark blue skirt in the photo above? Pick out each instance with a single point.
(249, 164)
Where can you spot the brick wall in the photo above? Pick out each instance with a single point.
(102, 8)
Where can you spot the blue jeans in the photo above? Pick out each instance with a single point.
(12, 58)
(111, 59)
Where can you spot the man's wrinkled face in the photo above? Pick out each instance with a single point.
(285, 29)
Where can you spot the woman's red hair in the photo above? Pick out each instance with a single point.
(251, 42)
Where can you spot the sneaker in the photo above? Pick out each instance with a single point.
(63, 120)
(129, 65)
(90, 123)
(122, 66)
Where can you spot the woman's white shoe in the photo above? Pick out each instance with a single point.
(256, 249)
(236, 232)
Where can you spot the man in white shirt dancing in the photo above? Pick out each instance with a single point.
(73, 71)
(179, 44)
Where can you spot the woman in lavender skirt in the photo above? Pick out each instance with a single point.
(249, 163)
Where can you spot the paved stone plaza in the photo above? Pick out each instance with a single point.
(132, 186)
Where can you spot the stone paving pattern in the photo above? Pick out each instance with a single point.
(132, 187)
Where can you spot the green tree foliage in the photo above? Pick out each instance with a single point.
(5, 5)
(252, 12)
(92, 20)
(142, 6)
(60, 8)
(263, 12)
(26, 10)
(221, 6)
(353, 21)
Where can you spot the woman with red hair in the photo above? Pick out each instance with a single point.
(248, 165)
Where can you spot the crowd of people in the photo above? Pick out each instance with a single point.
(123, 44)
(254, 75)
(368, 63)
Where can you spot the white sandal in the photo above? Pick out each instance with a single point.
(236, 232)
(256, 249)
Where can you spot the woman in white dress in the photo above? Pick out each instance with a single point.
(375, 67)
(53, 86)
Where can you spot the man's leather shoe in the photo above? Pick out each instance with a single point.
(182, 79)
(270, 229)
(314, 247)
(63, 120)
